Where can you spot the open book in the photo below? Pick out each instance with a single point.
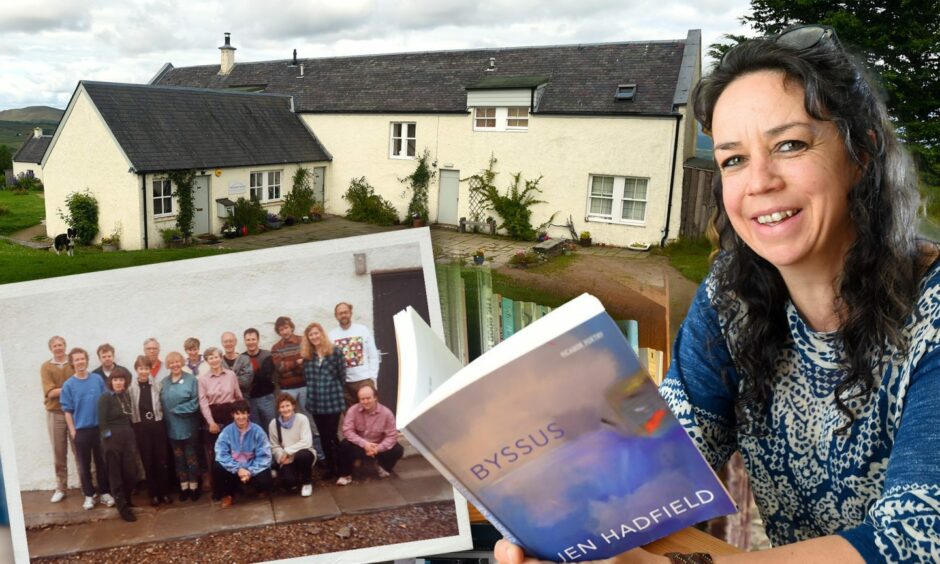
(557, 435)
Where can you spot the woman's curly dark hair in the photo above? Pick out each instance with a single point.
(879, 280)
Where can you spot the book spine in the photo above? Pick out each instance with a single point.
(459, 486)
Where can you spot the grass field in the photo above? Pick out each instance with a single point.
(23, 211)
(19, 264)
(14, 133)
(689, 257)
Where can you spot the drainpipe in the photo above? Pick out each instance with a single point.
(143, 198)
(672, 180)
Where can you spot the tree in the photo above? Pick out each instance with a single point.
(6, 160)
(898, 39)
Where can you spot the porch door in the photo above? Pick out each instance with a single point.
(201, 205)
(447, 197)
(393, 291)
(319, 175)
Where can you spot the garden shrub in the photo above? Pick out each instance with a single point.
(367, 206)
(82, 215)
(186, 197)
(514, 208)
(300, 199)
(418, 182)
(248, 213)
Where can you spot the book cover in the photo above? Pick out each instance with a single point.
(564, 443)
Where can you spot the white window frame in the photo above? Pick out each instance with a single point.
(398, 146)
(501, 118)
(618, 199)
(166, 196)
(262, 182)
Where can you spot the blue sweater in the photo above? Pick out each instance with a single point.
(80, 398)
(235, 449)
(879, 486)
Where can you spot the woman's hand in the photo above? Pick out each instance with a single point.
(214, 428)
(507, 553)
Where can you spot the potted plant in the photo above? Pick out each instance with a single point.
(274, 221)
(172, 237)
(479, 256)
(316, 212)
(542, 236)
(229, 231)
(585, 239)
(112, 242)
(417, 220)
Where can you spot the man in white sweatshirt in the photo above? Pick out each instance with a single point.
(358, 346)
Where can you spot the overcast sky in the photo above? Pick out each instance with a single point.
(47, 46)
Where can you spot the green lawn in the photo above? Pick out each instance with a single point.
(689, 257)
(24, 211)
(517, 291)
(19, 264)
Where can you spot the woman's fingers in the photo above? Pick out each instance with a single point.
(507, 553)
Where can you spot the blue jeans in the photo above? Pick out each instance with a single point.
(300, 394)
(263, 410)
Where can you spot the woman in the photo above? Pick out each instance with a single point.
(147, 418)
(195, 364)
(218, 390)
(179, 398)
(292, 445)
(811, 346)
(325, 373)
(120, 453)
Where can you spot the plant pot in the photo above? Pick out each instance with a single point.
(275, 224)
(108, 247)
(585, 241)
(230, 234)
(478, 259)
(418, 222)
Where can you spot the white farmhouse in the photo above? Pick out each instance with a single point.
(607, 126)
(26, 160)
(119, 141)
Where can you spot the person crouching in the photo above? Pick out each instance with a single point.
(120, 448)
(242, 456)
(292, 445)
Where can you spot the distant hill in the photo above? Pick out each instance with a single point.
(33, 113)
(14, 133)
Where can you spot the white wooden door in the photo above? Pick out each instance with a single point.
(201, 205)
(448, 196)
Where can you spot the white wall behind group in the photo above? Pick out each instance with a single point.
(173, 301)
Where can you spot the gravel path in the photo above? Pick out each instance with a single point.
(289, 540)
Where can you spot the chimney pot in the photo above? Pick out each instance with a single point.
(228, 56)
(37, 132)
(492, 65)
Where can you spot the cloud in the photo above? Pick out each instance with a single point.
(43, 15)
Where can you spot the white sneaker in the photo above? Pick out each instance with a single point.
(107, 500)
(383, 473)
(344, 481)
(57, 496)
(89, 502)
(307, 490)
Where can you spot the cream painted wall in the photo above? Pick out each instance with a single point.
(565, 150)
(21, 168)
(232, 183)
(204, 298)
(84, 155)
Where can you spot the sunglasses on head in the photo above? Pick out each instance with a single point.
(799, 38)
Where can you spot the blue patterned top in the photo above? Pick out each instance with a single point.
(877, 486)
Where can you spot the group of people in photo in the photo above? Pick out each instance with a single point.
(222, 418)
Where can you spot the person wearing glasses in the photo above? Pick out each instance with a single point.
(811, 347)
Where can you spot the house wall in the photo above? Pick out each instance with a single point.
(84, 155)
(231, 183)
(21, 168)
(565, 150)
(216, 294)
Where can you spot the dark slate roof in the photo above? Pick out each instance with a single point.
(582, 79)
(162, 128)
(33, 149)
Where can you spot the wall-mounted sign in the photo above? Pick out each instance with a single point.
(236, 188)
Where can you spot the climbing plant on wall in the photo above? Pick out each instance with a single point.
(186, 199)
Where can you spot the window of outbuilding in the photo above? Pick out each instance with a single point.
(265, 186)
(617, 199)
(403, 140)
(162, 197)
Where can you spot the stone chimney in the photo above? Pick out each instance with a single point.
(37, 132)
(228, 56)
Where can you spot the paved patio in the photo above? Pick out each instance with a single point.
(415, 482)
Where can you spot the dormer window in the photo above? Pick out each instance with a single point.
(625, 92)
(512, 118)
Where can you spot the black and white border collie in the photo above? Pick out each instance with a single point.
(65, 242)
